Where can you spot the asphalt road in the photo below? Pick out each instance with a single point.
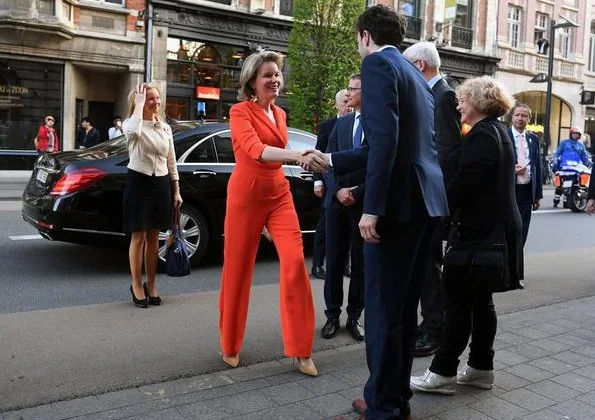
(68, 328)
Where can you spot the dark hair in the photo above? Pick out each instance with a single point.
(86, 119)
(386, 27)
(117, 117)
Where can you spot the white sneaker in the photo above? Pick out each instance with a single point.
(483, 379)
(432, 382)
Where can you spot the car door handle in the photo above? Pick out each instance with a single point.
(308, 176)
(204, 174)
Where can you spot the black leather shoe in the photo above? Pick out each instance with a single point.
(141, 303)
(424, 346)
(347, 271)
(318, 272)
(355, 329)
(331, 327)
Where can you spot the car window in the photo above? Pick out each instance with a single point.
(224, 147)
(182, 146)
(300, 141)
(203, 153)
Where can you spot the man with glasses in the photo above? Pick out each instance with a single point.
(47, 140)
(343, 204)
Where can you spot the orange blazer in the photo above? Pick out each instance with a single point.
(252, 131)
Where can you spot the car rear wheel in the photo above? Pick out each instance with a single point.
(195, 233)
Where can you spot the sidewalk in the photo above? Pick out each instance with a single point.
(545, 369)
(13, 183)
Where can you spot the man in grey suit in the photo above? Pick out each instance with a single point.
(447, 123)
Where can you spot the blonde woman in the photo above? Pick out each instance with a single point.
(151, 190)
(258, 196)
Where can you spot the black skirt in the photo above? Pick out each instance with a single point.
(147, 202)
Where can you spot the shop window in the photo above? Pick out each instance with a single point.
(203, 153)
(231, 78)
(207, 76)
(207, 54)
(224, 147)
(177, 108)
(179, 72)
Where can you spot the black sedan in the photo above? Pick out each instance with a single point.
(76, 196)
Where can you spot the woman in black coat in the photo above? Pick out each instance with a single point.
(473, 192)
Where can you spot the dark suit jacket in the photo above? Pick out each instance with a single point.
(324, 131)
(341, 138)
(401, 158)
(447, 122)
(535, 158)
(474, 189)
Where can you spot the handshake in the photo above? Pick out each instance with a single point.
(315, 161)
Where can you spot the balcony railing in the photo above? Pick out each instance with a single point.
(541, 65)
(461, 37)
(516, 59)
(413, 27)
(567, 70)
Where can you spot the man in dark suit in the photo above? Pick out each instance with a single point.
(404, 196)
(343, 203)
(324, 131)
(447, 123)
(528, 165)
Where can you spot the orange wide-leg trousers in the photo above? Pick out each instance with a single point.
(255, 201)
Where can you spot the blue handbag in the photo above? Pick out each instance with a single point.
(177, 263)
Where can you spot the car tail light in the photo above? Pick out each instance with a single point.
(77, 180)
(557, 182)
(585, 178)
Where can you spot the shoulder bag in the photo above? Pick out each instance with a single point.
(484, 261)
(177, 263)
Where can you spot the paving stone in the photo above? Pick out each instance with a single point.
(551, 345)
(324, 384)
(258, 371)
(527, 399)
(123, 398)
(42, 412)
(588, 398)
(355, 376)
(511, 338)
(212, 410)
(167, 414)
(329, 405)
(530, 352)
(213, 393)
(296, 411)
(463, 413)
(481, 394)
(509, 381)
(501, 345)
(553, 390)
(574, 358)
(185, 385)
(587, 371)
(586, 333)
(575, 381)
(569, 324)
(588, 351)
(498, 408)
(552, 365)
(125, 412)
(532, 333)
(529, 372)
(287, 393)
(240, 404)
(353, 393)
(571, 340)
(546, 414)
(576, 410)
(293, 376)
(508, 358)
(550, 328)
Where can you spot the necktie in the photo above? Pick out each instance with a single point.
(522, 159)
(357, 137)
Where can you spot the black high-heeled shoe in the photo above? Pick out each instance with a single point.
(155, 301)
(141, 303)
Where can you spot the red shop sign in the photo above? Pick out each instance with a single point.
(204, 92)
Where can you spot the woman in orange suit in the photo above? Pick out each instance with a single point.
(258, 196)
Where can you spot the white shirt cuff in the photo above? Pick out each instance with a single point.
(318, 183)
(330, 159)
(371, 215)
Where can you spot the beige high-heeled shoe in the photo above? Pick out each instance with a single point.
(232, 361)
(307, 366)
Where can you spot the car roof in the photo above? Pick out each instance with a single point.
(185, 129)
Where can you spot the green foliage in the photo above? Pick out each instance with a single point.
(322, 54)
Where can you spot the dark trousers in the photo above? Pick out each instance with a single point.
(394, 271)
(342, 234)
(432, 300)
(524, 199)
(468, 314)
(318, 251)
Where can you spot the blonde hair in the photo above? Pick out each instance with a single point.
(250, 71)
(148, 86)
(487, 95)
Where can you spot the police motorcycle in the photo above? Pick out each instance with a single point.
(571, 180)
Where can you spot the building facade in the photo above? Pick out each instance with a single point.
(199, 46)
(524, 45)
(68, 58)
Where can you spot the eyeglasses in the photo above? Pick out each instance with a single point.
(352, 89)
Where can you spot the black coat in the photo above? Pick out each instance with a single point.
(324, 132)
(447, 122)
(474, 190)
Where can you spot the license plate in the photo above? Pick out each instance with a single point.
(567, 184)
(41, 176)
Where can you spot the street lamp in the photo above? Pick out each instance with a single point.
(550, 71)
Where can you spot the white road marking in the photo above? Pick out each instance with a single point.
(25, 237)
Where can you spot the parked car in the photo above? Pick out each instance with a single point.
(76, 196)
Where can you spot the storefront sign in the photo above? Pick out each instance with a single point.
(11, 95)
(204, 92)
